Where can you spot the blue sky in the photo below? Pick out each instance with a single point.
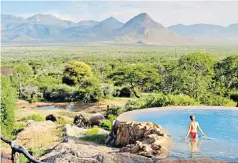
(166, 13)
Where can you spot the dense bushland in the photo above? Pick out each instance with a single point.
(148, 78)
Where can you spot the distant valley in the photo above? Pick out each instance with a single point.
(141, 29)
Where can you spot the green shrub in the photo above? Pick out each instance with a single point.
(111, 117)
(114, 110)
(182, 100)
(35, 117)
(18, 127)
(8, 105)
(160, 100)
(61, 92)
(106, 124)
(87, 94)
(62, 121)
(116, 91)
(22, 159)
(92, 131)
(215, 100)
(107, 90)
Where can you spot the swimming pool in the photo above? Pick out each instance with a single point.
(220, 125)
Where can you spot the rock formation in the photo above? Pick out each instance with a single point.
(87, 120)
(142, 137)
(38, 135)
(50, 117)
(146, 139)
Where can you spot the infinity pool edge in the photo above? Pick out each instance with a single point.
(129, 115)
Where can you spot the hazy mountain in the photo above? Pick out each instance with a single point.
(31, 32)
(87, 23)
(46, 19)
(8, 21)
(106, 26)
(207, 31)
(101, 31)
(142, 28)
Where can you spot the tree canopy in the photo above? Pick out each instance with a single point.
(8, 104)
(193, 75)
(135, 76)
(75, 72)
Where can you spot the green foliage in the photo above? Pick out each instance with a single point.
(22, 159)
(135, 76)
(182, 100)
(92, 131)
(88, 91)
(107, 90)
(18, 127)
(226, 73)
(61, 120)
(215, 100)
(75, 72)
(23, 69)
(35, 117)
(106, 124)
(160, 100)
(61, 92)
(116, 91)
(8, 105)
(193, 75)
(54, 73)
(45, 81)
(114, 110)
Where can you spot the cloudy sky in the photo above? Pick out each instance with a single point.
(167, 13)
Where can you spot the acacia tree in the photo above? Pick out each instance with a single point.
(135, 76)
(79, 75)
(8, 103)
(227, 74)
(75, 72)
(193, 75)
(22, 72)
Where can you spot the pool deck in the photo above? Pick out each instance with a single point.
(128, 116)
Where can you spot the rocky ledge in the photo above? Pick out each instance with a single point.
(145, 139)
(136, 142)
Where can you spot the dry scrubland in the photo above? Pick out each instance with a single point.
(110, 52)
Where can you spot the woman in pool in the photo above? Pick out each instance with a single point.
(192, 129)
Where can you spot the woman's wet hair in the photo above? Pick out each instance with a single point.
(191, 117)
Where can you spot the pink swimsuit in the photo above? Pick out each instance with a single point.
(193, 134)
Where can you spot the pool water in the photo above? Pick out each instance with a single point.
(220, 126)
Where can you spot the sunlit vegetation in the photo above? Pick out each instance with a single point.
(151, 76)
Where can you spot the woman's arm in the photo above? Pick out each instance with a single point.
(189, 129)
(200, 130)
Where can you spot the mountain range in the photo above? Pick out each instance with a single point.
(139, 29)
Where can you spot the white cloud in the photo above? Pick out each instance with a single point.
(165, 12)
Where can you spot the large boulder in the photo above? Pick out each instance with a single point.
(87, 120)
(146, 139)
(38, 135)
(51, 117)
